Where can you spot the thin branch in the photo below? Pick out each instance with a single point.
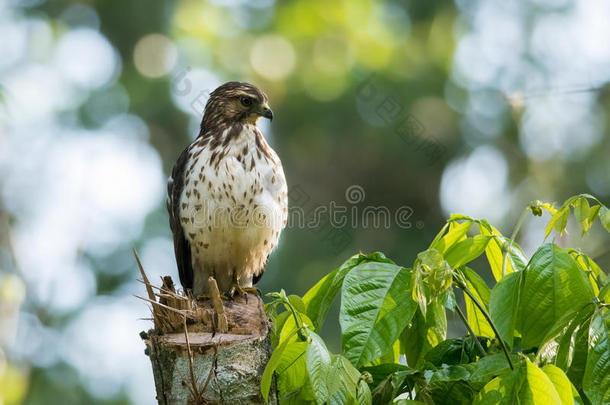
(149, 290)
(474, 336)
(197, 395)
(145, 283)
(163, 306)
(463, 287)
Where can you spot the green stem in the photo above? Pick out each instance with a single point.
(512, 239)
(474, 336)
(297, 321)
(463, 287)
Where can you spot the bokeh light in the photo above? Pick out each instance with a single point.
(155, 55)
(273, 57)
(86, 58)
(476, 185)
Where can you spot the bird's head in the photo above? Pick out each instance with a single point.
(236, 102)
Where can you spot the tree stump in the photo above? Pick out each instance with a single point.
(209, 351)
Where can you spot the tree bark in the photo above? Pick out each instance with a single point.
(209, 351)
(226, 367)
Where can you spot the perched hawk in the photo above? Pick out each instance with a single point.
(227, 198)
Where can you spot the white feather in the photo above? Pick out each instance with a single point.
(232, 214)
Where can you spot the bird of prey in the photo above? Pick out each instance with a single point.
(227, 197)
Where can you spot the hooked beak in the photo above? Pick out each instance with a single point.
(266, 112)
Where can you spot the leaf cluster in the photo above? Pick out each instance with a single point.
(540, 335)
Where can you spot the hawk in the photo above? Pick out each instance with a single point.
(227, 196)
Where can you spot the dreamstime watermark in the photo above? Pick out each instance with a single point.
(182, 86)
(353, 214)
(391, 112)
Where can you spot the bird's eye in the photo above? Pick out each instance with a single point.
(246, 101)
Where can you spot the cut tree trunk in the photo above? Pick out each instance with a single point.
(207, 351)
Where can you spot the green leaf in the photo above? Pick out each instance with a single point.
(466, 250)
(448, 300)
(460, 350)
(447, 373)
(343, 384)
(394, 384)
(553, 286)
(604, 294)
(559, 342)
(423, 333)
(319, 298)
(388, 358)
(364, 395)
(403, 401)
(297, 303)
(419, 292)
(272, 365)
(481, 291)
(596, 276)
(581, 209)
(504, 305)
(438, 274)
(604, 217)
(562, 384)
(318, 367)
(526, 385)
(456, 233)
(596, 381)
(581, 213)
(290, 328)
(558, 221)
(292, 377)
(381, 371)
(448, 384)
(376, 306)
(577, 346)
(538, 387)
(515, 260)
(594, 213)
(549, 207)
(516, 257)
(277, 325)
(493, 252)
(488, 368)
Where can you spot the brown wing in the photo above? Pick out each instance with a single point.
(257, 277)
(182, 247)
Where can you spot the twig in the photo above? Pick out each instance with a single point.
(164, 306)
(146, 283)
(149, 290)
(212, 370)
(486, 315)
(474, 336)
(197, 395)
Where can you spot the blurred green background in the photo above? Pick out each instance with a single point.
(415, 108)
